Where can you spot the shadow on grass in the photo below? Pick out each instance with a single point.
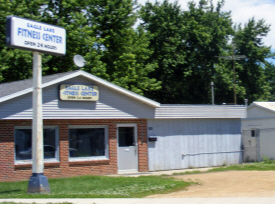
(11, 191)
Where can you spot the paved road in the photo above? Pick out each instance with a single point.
(261, 200)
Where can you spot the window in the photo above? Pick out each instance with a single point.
(253, 133)
(23, 143)
(88, 142)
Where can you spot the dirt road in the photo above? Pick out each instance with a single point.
(227, 184)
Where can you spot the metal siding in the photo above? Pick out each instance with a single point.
(207, 141)
(200, 111)
(110, 105)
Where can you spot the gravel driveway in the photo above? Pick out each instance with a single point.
(227, 184)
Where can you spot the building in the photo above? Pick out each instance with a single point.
(119, 131)
(259, 131)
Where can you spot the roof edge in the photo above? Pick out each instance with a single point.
(89, 76)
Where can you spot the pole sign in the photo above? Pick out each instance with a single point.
(32, 35)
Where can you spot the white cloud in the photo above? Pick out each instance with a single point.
(242, 11)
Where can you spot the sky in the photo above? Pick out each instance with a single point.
(242, 11)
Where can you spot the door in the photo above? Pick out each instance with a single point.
(127, 148)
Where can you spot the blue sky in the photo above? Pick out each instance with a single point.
(242, 10)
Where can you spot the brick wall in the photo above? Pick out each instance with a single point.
(9, 171)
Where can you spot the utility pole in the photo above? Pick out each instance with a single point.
(233, 58)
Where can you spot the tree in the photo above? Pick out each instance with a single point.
(251, 72)
(270, 78)
(124, 50)
(101, 31)
(16, 64)
(184, 45)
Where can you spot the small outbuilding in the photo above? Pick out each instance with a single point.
(92, 126)
(259, 131)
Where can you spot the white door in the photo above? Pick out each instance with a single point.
(127, 148)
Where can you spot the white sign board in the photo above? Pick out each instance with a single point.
(35, 36)
(69, 92)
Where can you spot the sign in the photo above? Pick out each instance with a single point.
(32, 35)
(69, 92)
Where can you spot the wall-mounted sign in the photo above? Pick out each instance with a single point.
(71, 92)
(32, 35)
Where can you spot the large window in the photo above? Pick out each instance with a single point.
(88, 142)
(23, 143)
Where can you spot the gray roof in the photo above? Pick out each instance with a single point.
(16, 86)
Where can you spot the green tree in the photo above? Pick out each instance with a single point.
(270, 78)
(251, 72)
(16, 64)
(184, 45)
(208, 32)
(124, 49)
(101, 31)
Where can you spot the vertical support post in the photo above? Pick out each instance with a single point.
(212, 92)
(38, 183)
(246, 103)
(258, 145)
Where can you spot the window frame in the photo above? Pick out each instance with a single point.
(106, 140)
(29, 161)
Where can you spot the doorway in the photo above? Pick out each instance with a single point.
(127, 148)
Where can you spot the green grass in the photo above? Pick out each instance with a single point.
(246, 167)
(266, 165)
(97, 187)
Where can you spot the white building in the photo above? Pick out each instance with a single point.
(259, 131)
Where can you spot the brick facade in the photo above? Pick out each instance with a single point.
(9, 171)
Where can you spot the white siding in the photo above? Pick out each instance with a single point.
(267, 141)
(258, 112)
(185, 143)
(200, 111)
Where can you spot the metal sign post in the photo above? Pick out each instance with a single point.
(38, 183)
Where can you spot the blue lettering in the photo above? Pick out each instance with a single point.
(49, 29)
(70, 93)
(88, 93)
(28, 33)
(52, 38)
(84, 88)
(72, 87)
(34, 26)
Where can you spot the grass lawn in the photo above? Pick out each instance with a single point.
(262, 166)
(266, 165)
(97, 187)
